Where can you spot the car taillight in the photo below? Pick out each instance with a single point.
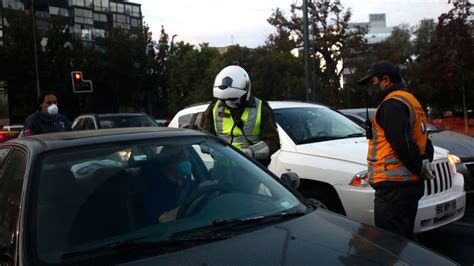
(4, 137)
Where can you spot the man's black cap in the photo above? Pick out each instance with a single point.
(379, 67)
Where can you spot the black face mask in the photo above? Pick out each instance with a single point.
(373, 90)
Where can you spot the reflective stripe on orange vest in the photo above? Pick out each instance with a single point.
(383, 164)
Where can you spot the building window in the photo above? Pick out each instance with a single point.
(58, 11)
(117, 7)
(134, 22)
(76, 3)
(83, 16)
(86, 34)
(100, 17)
(101, 5)
(98, 33)
(136, 11)
(13, 4)
(120, 8)
(121, 21)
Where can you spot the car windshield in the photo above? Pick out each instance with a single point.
(127, 121)
(315, 124)
(105, 194)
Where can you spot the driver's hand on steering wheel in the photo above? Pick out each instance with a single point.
(207, 183)
(169, 215)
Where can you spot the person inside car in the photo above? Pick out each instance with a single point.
(170, 185)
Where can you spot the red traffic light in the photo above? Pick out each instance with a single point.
(77, 76)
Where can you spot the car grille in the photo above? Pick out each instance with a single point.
(442, 182)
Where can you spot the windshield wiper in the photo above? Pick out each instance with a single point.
(139, 243)
(355, 135)
(239, 221)
(223, 228)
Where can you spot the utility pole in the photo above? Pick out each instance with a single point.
(306, 50)
(35, 50)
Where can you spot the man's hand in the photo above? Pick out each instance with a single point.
(169, 215)
(427, 170)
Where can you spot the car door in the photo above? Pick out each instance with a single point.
(12, 172)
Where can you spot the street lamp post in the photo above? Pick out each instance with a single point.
(35, 49)
(306, 50)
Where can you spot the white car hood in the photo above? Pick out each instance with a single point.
(351, 150)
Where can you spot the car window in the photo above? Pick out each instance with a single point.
(88, 124)
(310, 124)
(78, 124)
(11, 182)
(127, 121)
(185, 120)
(3, 156)
(91, 196)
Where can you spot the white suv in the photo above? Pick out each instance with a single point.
(328, 151)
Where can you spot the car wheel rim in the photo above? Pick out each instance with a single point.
(318, 203)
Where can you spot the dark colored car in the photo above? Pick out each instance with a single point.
(461, 146)
(114, 120)
(86, 197)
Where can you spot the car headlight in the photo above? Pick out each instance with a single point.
(360, 180)
(453, 160)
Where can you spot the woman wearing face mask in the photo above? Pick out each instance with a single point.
(47, 119)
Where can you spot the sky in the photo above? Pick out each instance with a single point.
(226, 22)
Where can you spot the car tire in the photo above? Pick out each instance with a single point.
(323, 198)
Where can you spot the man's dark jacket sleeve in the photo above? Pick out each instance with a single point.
(393, 117)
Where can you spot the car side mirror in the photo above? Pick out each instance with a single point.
(291, 179)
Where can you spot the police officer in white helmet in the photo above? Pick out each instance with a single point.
(241, 119)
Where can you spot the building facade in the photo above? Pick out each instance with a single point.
(87, 20)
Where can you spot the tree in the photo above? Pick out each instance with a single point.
(331, 42)
(453, 60)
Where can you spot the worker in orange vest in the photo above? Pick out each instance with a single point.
(400, 153)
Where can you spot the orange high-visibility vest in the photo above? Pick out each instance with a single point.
(383, 164)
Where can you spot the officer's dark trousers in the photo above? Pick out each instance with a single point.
(395, 208)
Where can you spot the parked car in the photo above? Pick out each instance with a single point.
(10, 132)
(117, 120)
(329, 152)
(81, 198)
(460, 145)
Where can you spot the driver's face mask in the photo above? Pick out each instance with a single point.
(184, 168)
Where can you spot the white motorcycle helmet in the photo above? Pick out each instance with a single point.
(232, 85)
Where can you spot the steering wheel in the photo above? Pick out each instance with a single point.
(199, 198)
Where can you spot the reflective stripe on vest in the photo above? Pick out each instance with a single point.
(383, 164)
(224, 124)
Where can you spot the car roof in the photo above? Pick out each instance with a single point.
(78, 138)
(114, 114)
(356, 110)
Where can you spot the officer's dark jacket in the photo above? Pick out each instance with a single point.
(40, 123)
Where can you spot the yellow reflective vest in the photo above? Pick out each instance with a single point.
(226, 128)
(383, 164)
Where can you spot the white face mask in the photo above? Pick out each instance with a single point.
(53, 109)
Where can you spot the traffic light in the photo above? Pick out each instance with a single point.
(79, 85)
